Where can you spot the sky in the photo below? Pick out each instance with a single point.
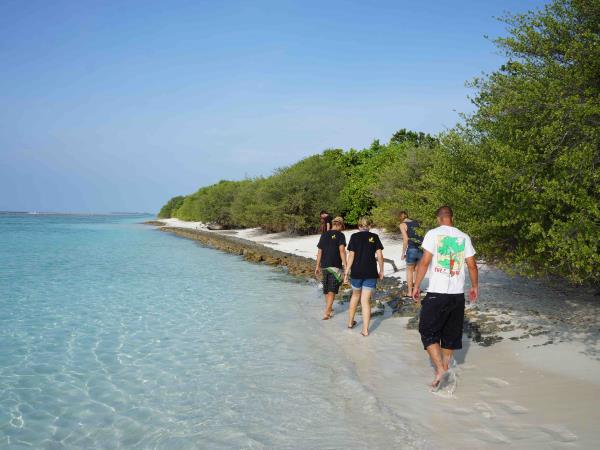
(119, 106)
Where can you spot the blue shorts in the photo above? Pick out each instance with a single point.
(363, 283)
(413, 255)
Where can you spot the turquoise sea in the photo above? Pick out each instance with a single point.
(115, 335)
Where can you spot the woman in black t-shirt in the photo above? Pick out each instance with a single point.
(363, 248)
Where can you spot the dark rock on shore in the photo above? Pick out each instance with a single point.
(155, 223)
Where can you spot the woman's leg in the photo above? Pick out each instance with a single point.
(352, 308)
(365, 304)
(410, 274)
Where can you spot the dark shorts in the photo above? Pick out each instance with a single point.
(441, 322)
(330, 284)
(413, 255)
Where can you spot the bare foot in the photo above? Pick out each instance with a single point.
(438, 378)
(352, 325)
(364, 334)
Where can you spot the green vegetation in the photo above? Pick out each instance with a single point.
(521, 173)
(172, 205)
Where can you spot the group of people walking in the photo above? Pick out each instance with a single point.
(442, 255)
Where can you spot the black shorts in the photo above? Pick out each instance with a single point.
(330, 284)
(441, 321)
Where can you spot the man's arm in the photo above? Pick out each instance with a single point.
(348, 265)
(421, 271)
(474, 276)
(379, 254)
(403, 230)
(318, 267)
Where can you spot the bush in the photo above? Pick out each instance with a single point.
(171, 206)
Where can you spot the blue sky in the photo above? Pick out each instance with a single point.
(118, 106)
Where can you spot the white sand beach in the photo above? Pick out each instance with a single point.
(536, 388)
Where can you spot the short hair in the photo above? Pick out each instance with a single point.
(444, 211)
(402, 213)
(338, 221)
(323, 211)
(365, 222)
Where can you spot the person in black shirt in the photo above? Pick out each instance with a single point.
(364, 246)
(325, 221)
(331, 260)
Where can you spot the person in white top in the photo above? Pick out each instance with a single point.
(446, 252)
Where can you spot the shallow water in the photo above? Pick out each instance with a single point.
(115, 335)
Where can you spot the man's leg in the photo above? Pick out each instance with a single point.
(453, 329)
(431, 323)
(352, 308)
(447, 357)
(329, 297)
(365, 304)
(435, 353)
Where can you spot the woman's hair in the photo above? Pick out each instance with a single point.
(402, 215)
(338, 221)
(365, 222)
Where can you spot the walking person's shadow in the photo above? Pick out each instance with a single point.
(460, 356)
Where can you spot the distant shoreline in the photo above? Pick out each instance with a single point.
(52, 213)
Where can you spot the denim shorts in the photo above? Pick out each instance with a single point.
(413, 255)
(363, 283)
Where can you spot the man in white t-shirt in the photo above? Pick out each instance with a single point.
(446, 251)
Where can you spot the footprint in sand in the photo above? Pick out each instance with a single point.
(512, 407)
(468, 366)
(459, 410)
(559, 433)
(485, 410)
(492, 437)
(496, 382)
(486, 394)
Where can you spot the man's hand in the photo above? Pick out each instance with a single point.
(473, 294)
(380, 275)
(317, 271)
(345, 278)
(416, 294)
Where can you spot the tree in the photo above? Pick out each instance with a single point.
(531, 151)
(171, 206)
(416, 138)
